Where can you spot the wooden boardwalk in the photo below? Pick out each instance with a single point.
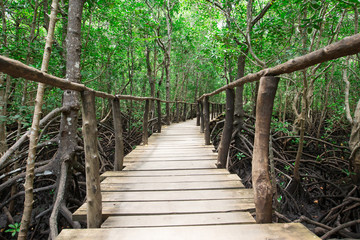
(171, 189)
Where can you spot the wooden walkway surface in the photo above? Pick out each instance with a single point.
(171, 189)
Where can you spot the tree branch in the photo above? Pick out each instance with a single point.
(262, 13)
(217, 4)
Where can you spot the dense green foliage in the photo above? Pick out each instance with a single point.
(116, 34)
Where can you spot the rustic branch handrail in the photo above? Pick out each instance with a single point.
(18, 69)
(347, 46)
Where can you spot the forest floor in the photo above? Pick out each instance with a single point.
(326, 199)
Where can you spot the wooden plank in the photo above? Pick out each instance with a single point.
(167, 207)
(177, 195)
(134, 159)
(179, 220)
(171, 165)
(278, 231)
(173, 155)
(135, 173)
(167, 179)
(198, 146)
(117, 187)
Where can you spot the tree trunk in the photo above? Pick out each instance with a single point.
(69, 118)
(151, 78)
(239, 105)
(167, 79)
(354, 144)
(4, 86)
(227, 132)
(260, 164)
(354, 141)
(30, 163)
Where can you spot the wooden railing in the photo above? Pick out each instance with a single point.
(265, 100)
(89, 126)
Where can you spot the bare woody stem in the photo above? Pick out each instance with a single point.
(34, 132)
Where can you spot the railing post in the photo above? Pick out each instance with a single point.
(260, 162)
(159, 115)
(89, 129)
(191, 111)
(184, 116)
(227, 131)
(145, 123)
(167, 113)
(177, 112)
(198, 113)
(201, 117)
(212, 111)
(119, 143)
(206, 121)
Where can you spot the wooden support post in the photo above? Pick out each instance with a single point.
(184, 115)
(260, 162)
(198, 113)
(177, 112)
(167, 113)
(227, 132)
(191, 111)
(146, 123)
(159, 116)
(201, 117)
(220, 106)
(212, 111)
(119, 142)
(89, 129)
(206, 121)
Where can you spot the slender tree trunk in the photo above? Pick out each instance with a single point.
(227, 132)
(151, 79)
(260, 163)
(167, 79)
(4, 82)
(354, 141)
(30, 164)
(69, 119)
(239, 104)
(304, 108)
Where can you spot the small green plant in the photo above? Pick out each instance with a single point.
(279, 198)
(13, 229)
(318, 158)
(240, 155)
(281, 126)
(347, 172)
(287, 167)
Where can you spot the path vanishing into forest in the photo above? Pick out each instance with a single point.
(171, 189)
